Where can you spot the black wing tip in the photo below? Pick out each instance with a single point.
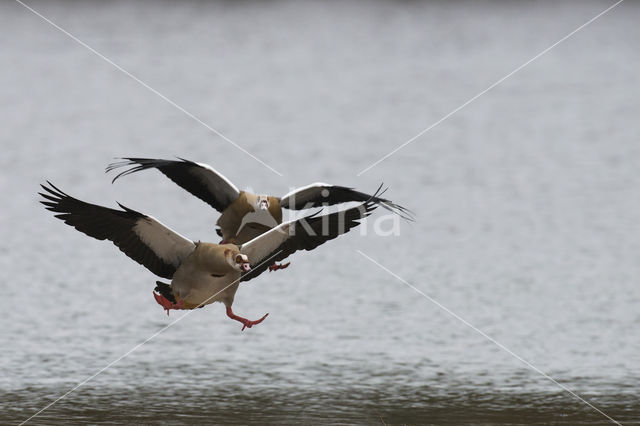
(137, 164)
(124, 161)
(54, 198)
(52, 190)
(389, 205)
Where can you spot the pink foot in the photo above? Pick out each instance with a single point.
(166, 303)
(246, 323)
(276, 266)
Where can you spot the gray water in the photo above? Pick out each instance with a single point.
(527, 208)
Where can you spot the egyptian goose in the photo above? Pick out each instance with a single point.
(200, 273)
(246, 215)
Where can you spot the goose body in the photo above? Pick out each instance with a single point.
(205, 272)
(245, 210)
(244, 215)
(201, 273)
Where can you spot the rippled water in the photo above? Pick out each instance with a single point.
(526, 203)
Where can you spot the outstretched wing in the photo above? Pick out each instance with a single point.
(142, 238)
(323, 194)
(302, 234)
(199, 179)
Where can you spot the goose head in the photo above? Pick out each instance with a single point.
(242, 263)
(262, 202)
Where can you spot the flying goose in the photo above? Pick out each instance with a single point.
(246, 215)
(201, 273)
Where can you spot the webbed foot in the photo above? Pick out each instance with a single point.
(277, 266)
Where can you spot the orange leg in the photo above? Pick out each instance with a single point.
(166, 303)
(246, 323)
(276, 266)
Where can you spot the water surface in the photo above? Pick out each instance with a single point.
(526, 203)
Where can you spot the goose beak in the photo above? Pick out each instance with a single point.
(246, 267)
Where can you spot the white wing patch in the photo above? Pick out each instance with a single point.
(263, 245)
(263, 217)
(227, 181)
(304, 188)
(168, 245)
